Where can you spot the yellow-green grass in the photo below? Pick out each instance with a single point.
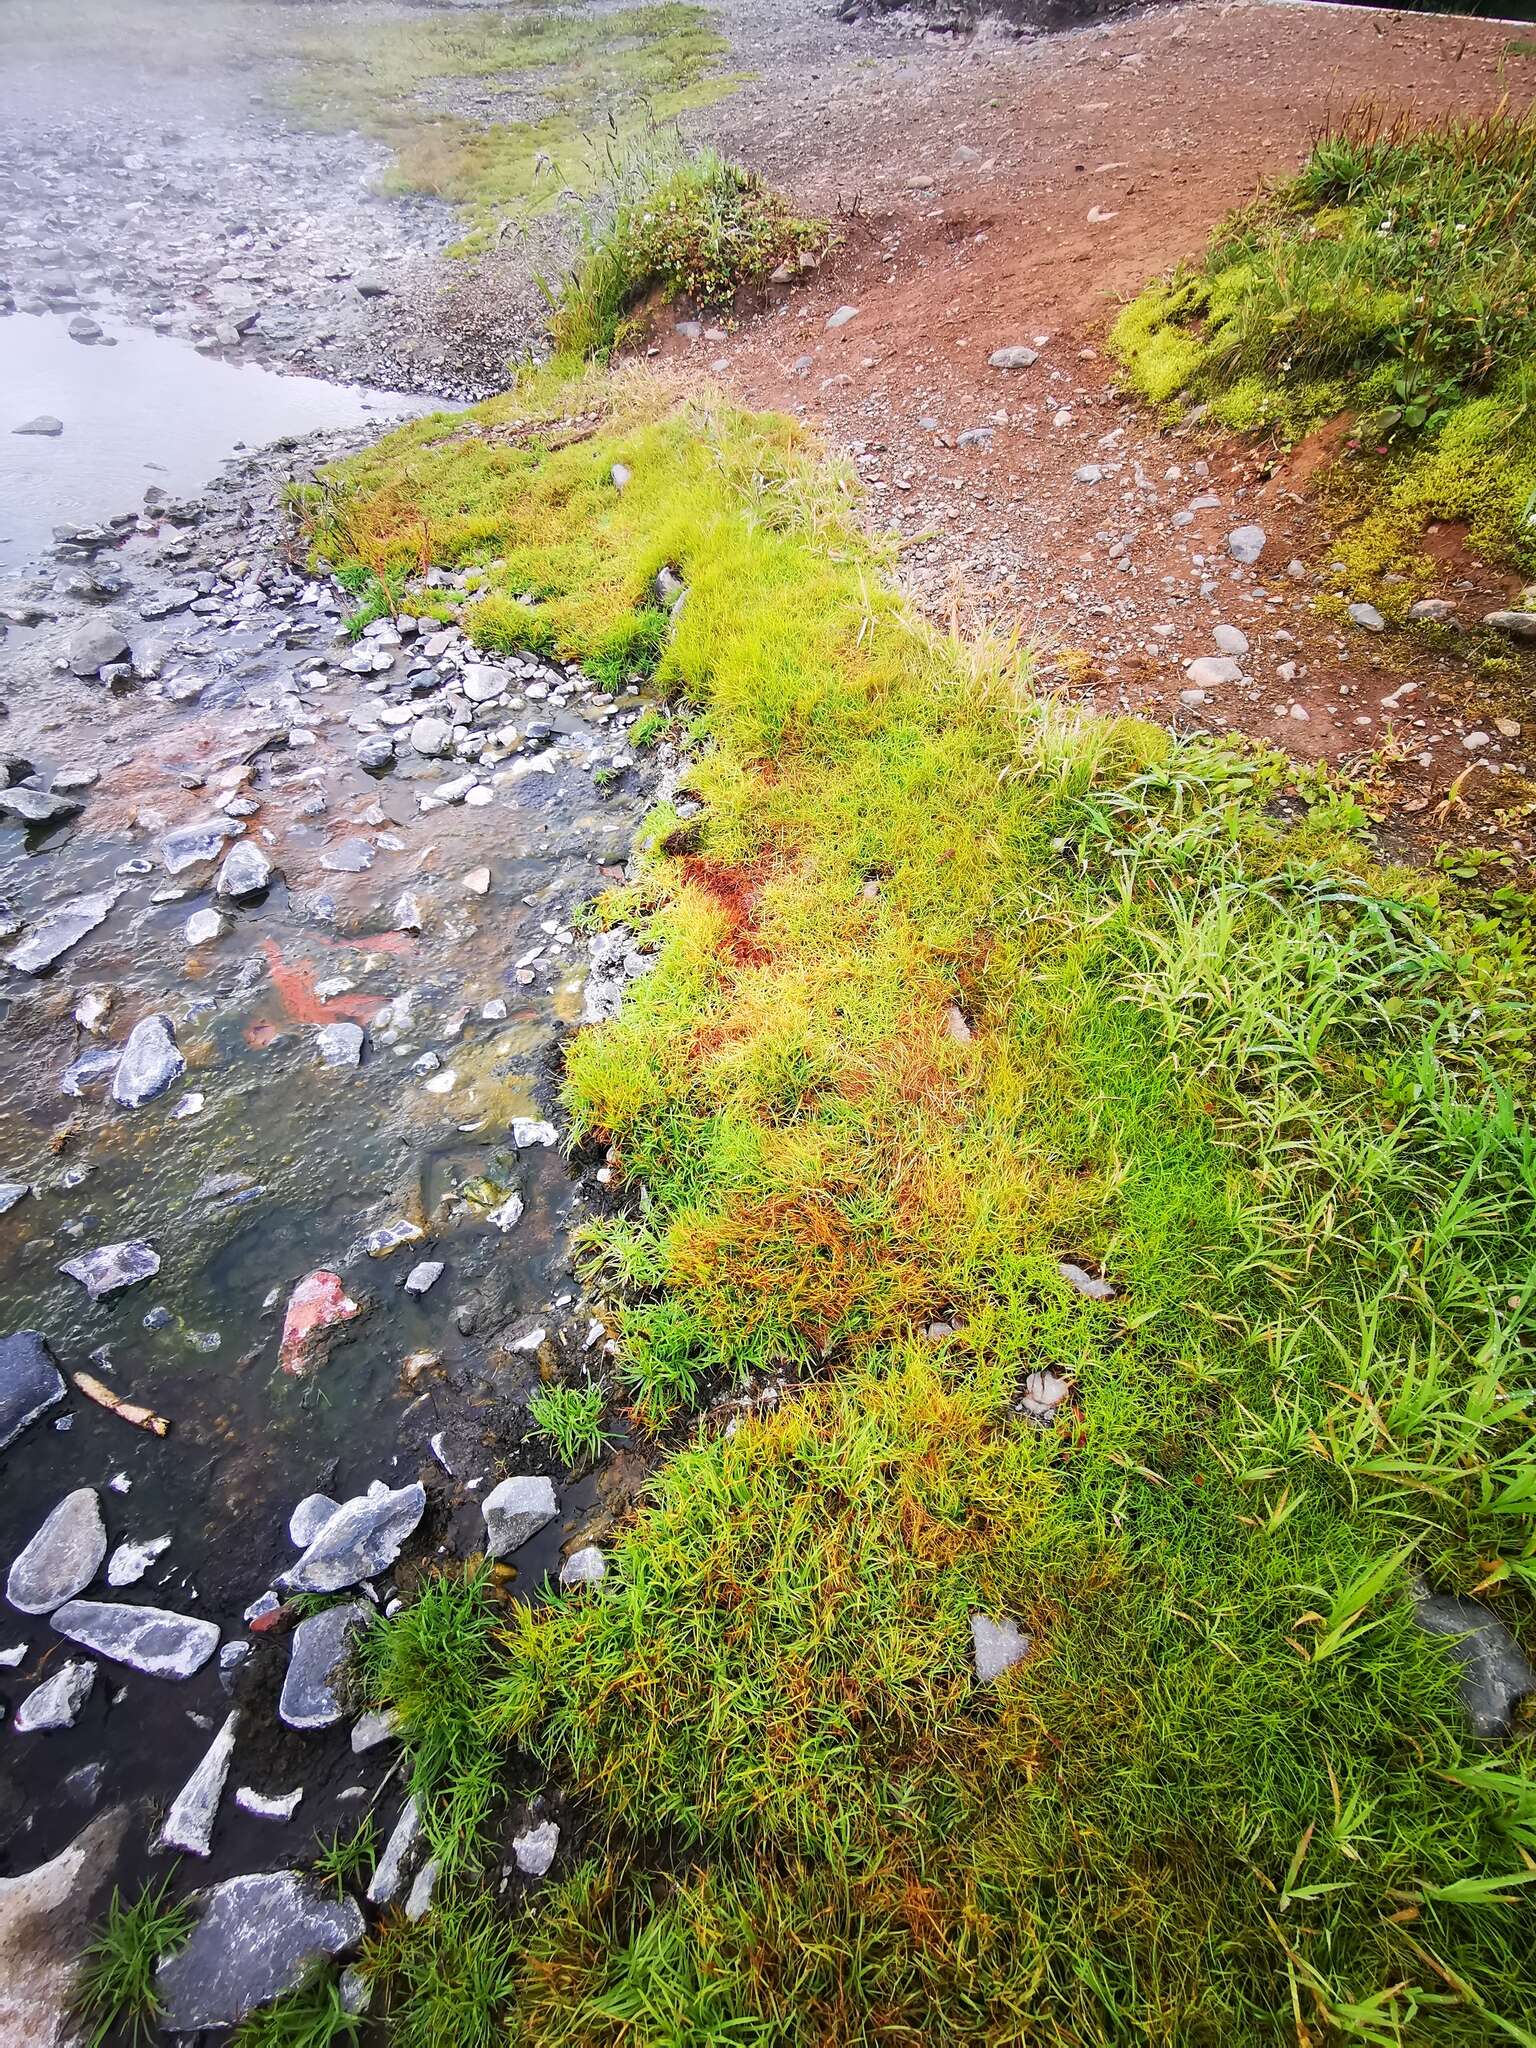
(1393, 280)
(1274, 1092)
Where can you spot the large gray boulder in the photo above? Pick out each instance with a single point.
(62, 1558)
(46, 1917)
(361, 1539)
(30, 1382)
(256, 1938)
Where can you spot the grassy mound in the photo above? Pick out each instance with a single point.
(955, 989)
(1394, 279)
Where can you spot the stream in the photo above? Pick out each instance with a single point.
(179, 685)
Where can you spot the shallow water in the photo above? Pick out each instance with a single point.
(147, 409)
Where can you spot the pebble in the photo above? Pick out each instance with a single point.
(1213, 672)
(246, 872)
(1086, 1283)
(997, 1646)
(130, 1561)
(842, 316)
(340, 1045)
(30, 1382)
(111, 1267)
(148, 1639)
(424, 1276)
(390, 1870)
(363, 1538)
(478, 881)
(44, 423)
(263, 1807)
(1245, 544)
(1366, 615)
(584, 1567)
(204, 926)
(516, 1509)
(58, 930)
(1015, 357)
(534, 1849)
(1230, 640)
(150, 1063)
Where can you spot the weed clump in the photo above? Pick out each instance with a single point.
(697, 234)
(1393, 279)
(116, 1995)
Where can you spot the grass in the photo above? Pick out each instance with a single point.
(347, 1860)
(695, 231)
(572, 1420)
(584, 81)
(1273, 1091)
(116, 1996)
(311, 2017)
(1394, 280)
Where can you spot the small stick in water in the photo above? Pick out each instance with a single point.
(129, 1411)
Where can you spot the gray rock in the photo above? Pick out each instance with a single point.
(148, 1639)
(73, 777)
(1495, 1672)
(998, 1646)
(362, 1538)
(1514, 625)
(54, 934)
(422, 1278)
(83, 328)
(584, 1567)
(62, 1558)
(1366, 615)
(57, 1701)
(1213, 672)
(1086, 1283)
(431, 737)
(1043, 1394)
(1439, 609)
(309, 1518)
(46, 1917)
(370, 1729)
(390, 1870)
(37, 806)
(150, 1062)
(204, 926)
(257, 1937)
(515, 1510)
(418, 1899)
(1245, 544)
(130, 1561)
(841, 317)
(188, 1824)
(246, 871)
(12, 1192)
(30, 1382)
(45, 423)
(90, 1069)
(533, 1850)
(95, 646)
(339, 1045)
(320, 1645)
(376, 752)
(353, 856)
(1015, 357)
(191, 846)
(482, 682)
(111, 1267)
(1230, 640)
(279, 1806)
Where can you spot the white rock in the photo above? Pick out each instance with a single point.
(188, 1825)
(534, 1850)
(998, 1646)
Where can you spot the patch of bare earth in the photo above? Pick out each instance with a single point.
(994, 193)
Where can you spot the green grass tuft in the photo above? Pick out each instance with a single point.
(115, 1994)
(572, 1420)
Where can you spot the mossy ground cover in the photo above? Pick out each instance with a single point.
(954, 986)
(1394, 280)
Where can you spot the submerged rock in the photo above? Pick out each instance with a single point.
(318, 1304)
(55, 933)
(191, 846)
(57, 1701)
(111, 1267)
(339, 1045)
(150, 1062)
(256, 1938)
(188, 1826)
(320, 1644)
(148, 1639)
(998, 1646)
(30, 1382)
(280, 1806)
(515, 1510)
(363, 1538)
(62, 1558)
(1495, 1672)
(130, 1561)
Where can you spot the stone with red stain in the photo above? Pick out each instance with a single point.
(318, 1304)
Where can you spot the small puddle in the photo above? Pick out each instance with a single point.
(138, 409)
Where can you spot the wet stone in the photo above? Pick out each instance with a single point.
(12, 1192)
(339, 1045)
(320, 1303)
(390, 1871)
(148, 1639)
(584, 1567)
(130, 1561)
(96, 646)
(55, 933)
(246, 872)
(204, 926)
(46, 1918)
(261, 1806)
(193, 846)
(62, 1558)
(422, 1278)
(37, 806)
(320, 1645)
(150, 1062)
(348, 857)
(516, 1510)
(998, 1646)
(92, 1068)
(111, 1267)
(363, 1538)
(56, 1703)
(188, 1825)
(257, 1937)
(309, 1518)
(1495, 1672)
(30, 1382)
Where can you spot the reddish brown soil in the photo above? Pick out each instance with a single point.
(963, 176)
